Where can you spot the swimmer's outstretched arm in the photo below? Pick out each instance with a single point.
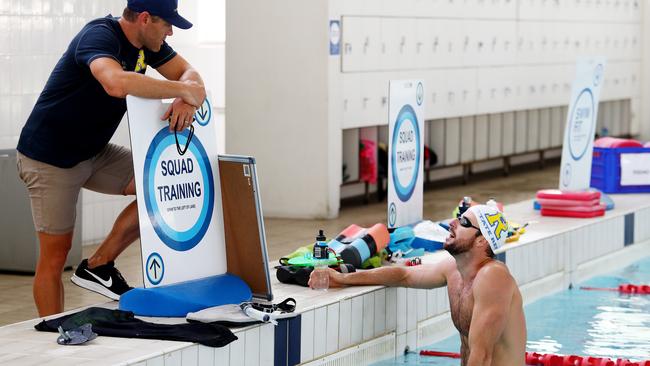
(423, 276)
(493, 292)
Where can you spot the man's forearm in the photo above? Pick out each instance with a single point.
(387, 276)
(148, 87)
(191, 75)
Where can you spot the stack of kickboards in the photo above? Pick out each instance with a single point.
(554, 202)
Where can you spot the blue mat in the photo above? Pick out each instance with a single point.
(179, 299)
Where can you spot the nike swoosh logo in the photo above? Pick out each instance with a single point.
(107, 283)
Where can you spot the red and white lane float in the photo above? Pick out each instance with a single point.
(539, 359)
(548, 359)
(626, 288)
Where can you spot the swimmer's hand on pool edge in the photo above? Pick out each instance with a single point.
(423, 276)
(336, 278)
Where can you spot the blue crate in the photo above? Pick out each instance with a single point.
(606, 170)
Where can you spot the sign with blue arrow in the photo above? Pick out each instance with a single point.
(203, 115)
(155, 268)
(179, 201)
(405, 151)
(578, 146)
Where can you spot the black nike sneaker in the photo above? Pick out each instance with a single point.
(105, 279)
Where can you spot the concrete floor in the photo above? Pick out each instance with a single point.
(284, 235)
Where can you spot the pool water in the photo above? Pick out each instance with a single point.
(577, 322)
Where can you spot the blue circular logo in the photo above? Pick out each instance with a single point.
(419, 93)
(155, 268)
(566, 175)
(582, 124)
(405, 156)
(178, 190)
(203, 115)
(392, 214)
(598, 74)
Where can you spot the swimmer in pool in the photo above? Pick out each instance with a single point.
(485, 302)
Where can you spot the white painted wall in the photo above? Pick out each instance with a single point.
(277, 75)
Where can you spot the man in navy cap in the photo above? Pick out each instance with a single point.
(64, 144)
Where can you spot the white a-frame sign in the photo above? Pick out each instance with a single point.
(178, 192)
(578, 146)
(405, 152)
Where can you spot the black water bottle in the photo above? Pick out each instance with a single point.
(320, 247)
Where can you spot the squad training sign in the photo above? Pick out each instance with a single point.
(405, 151)
(575, 174)
(179, 202)
(178, 190)
(583, 124)
(405, 157)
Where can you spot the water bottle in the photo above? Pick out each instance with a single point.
(320, 247)
(320, 277)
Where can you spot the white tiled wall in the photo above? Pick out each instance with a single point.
(512, 57)
(29, 51)
(565, 252)
(34, 34)
(502, 59)
(641, 227)
(253, 347)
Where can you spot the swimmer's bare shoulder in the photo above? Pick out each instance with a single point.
(494, 292)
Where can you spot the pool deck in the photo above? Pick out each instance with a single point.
(364, 324)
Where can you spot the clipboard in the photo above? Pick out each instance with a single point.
(244, 223)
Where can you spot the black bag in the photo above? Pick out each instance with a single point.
(294, 275)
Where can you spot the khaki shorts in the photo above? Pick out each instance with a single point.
(54, 191)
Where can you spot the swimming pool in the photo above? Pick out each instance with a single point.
(580, 322)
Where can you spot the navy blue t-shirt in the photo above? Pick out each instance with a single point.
(74, 118)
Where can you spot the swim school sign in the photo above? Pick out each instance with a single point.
(179, 207)
(577, 149)
(406, 152)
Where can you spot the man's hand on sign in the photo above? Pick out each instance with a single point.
(180, 115)
(194, 93)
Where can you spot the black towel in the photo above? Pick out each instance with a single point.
(118, 323)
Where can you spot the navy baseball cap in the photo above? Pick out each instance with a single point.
(165, 9)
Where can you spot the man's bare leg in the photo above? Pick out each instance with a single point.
(125, 231)
(48, 288)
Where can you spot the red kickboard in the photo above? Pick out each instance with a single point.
(560, 213)
(556, 194)
(598, 207)
(567, 203)
(615, 142)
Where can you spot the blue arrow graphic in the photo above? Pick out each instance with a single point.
(155, 266)
(202, 113)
